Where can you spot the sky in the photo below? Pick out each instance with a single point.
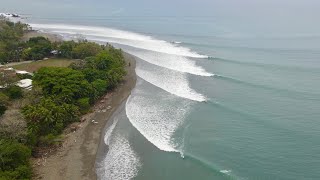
(167, 7)
(299, 15)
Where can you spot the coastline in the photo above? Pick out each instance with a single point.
(36, 33)
(76, 158)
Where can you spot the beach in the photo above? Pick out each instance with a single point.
(52, 37)
(219, 95)
(75, 159)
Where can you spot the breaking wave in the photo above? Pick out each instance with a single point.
(171, 81)
(157, 117)
(121, 37)
(173, 62)
(121, 162)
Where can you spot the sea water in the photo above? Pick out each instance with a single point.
(221, 95)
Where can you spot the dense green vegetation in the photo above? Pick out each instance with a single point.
(13, 92)
(68, 92)
(12, 49)
(14, 160)
(60, 95)
(4, 100)
(10, 44)
(36, 48)
(10, 93)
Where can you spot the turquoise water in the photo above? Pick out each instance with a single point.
(219, 96)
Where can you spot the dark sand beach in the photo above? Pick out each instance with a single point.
(75, 159)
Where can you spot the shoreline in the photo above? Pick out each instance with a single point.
(76, 158)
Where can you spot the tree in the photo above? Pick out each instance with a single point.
(14, 160)
(93, 74)
(66, 49)
(4, 101)
(10, 35)
(38, 48)
(49, 117)
(4, 57)
(100, 86)
(86, 49)
(65, 83)
(83, 104)
(14, 92)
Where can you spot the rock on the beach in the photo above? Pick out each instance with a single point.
(74, 126)
(83, 120)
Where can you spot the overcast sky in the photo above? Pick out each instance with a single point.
(300, 15)
(167, 7)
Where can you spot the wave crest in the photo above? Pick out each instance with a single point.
(121, 37)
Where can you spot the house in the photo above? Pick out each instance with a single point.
(23, 73)
(25, 83)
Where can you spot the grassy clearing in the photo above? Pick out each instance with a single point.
(34, 66)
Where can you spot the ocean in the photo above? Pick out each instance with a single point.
(219, 95)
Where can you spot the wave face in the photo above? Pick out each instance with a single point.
(171, 81)
(173, 62)
(157, 115)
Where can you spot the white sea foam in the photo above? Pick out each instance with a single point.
(176, 42)
(121, 37)
(109, 131)
(121, 162)
(225, 171)
(157, 117)
(171, 81)
(177, 63)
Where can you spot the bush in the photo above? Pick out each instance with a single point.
(20, 173)
(10, 45)
(48, 117)
(66, 83)
(84, 105)
(66, 49)
(100, 86)
(86, 49)
(78, 65)
(14, 160)
(93, 74)
(4, 100)
(38, 48)
(14, 92)
(2, 109)
(24, 76)
(49, 140)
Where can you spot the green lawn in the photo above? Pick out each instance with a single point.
(34, 66)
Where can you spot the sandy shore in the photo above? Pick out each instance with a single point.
(75, 160)
(51, 37)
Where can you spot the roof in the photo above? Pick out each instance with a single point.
(9, 69)
(23, 72)
(24, 83)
